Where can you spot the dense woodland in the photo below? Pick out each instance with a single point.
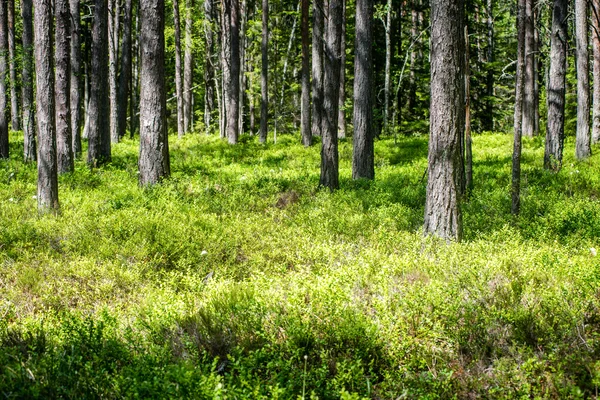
(279, 199)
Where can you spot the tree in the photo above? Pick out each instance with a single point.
(178, 70)
(3, 72)
(447, 120)
(519, 105)
(14, 99)
(583, 139)
(388, 64)
(98, 112)
(29, 145)
(555, 124)
(154, 163)
(305, 108)
(595, 5)
(113, 49)
(125, 74)
(528, 112)
(76, 77)
(188, 67)
(47, 184)
(64, 141)
(363, 154)
(317, 67)
(342, 94)
(231, 26)
(264, 74)
(331, 81)
(209, 73)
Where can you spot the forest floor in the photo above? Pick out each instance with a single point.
(238, 278)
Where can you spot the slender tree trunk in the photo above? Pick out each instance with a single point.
(135, 77)
(595, 4)
(331, 82)
(264, 75)
(76, 83)
(388, 65)
(363, 155)
(178, 71)
(583, 139)
(305, 108)
(64, 141)
(317, 67)
(488, 118)
(209, 70)
(29, 150)
(98, 109)
(528, 126)
(468, 140)
(414, 33)
(125, 75)
(154, 164)
(47, 184)
(231, 80)
(87, 44)
(242, 75)
(555, 131)
(113, 37)
(536, 73)
(14, 99)
(519, 105)
(342, 95)
(188, 65)
(3, 73)
(447, 120)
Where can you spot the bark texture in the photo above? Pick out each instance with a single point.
(125, 75)
(264, 73)
(317, 67)
(62, 91)
(178, 70)
(76, 84)
(555, 129)
(528, 114)
(113, 48)
(188, 69)
(447, 120)
(342, 95)
(362, 156)
(209, 68)
(583, 139)
(231, 23)
(29, 148)
(3, 75)
(596, 70)
(331, 82)
(518, 116)
(305, 102)
(14, 98)
(47, 184)
(154, 162)
(98, 107)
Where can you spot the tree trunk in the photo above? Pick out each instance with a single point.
(154, 162)
(488, 117)
(388, 64)
(595, 4)
(231, 25)
(305, 108)
(29, 148)
(342, 95)
(98, 109)
(414, 33)
(47, 184)
(555, 130)
(3, 73)
(264, 74)
(135, 77)
(528, 126)
(317, 67)
(113, 40)
(14, 99)
(331, 89)
(178, 71)
(362, 155)
(468, 140)
(188, 65)
(125, 75)
(209, 69)
(447, 120)
(76, 83)
(64, 141)
(242, 75)
(583, 139)
(519, 105)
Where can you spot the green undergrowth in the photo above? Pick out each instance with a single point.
(239, 278)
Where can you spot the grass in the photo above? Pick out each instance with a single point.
(218, 282)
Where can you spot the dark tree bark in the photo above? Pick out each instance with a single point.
(29, 151)
(188, 69)
(178, 70)
(47, 184)
(134, 106)
(468, 139)
(125, 75)
(595, 4)
(342, 95)
(331, 82)
(555, 130)
(154, 164)
(388, 64)
(317, 67)
(14, 99)
(242, 75)
(528, 115)
(113, 48)
(447, 120)
(414, 33)
(363, 155)
(76, 77)
(518, 116)
(62, 57)
(231, 23)
(305, 108)
(3, 73)
(583, 139)
(264, 87)
(209, 69)
(98, 109)
(488, 118)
